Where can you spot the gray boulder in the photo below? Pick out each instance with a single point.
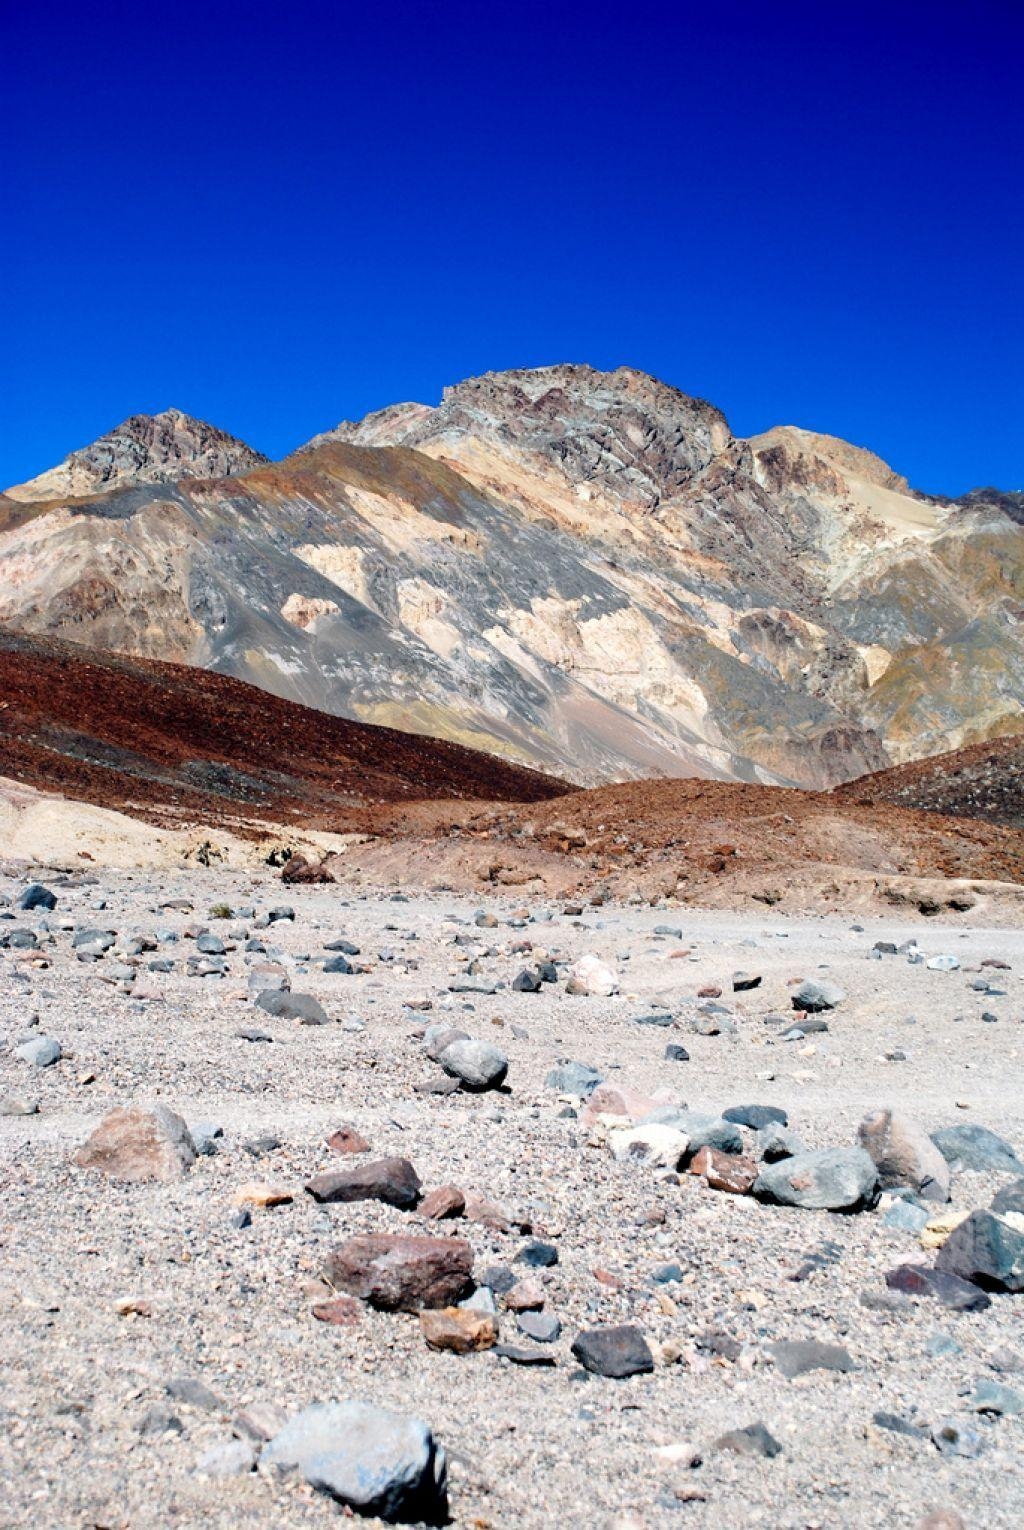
(814, 995)
(832, 1179)
(41, 1051)
(577, 1078)
(987, 1250)
(477, 1065)
(368, 1458)
(975, 1147)
(293, 1006)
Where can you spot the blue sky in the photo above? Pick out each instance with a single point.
(277, 216)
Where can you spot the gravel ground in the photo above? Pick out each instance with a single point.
(231, 1306)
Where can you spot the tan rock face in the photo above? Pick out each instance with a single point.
(458, 1330)
(904, 1154)
(139, 1145)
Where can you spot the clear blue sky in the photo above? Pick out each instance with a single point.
(279, 215)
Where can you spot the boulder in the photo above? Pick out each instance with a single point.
(832, 1179)
(577, 1078)
(814, 995)
(987, 1250)
(658, 1147)
(478, 1065)
(975, 1147)
(592, 977)
(904, 1154)
(370, 1459)
(731, 1172)
(139, 1145)
(293, 1006)
(392, 1180)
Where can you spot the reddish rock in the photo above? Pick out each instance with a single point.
(444, 1202)
(347, 1140)
(342, 1311)
(730, 1172)
(606, 1278)
(392, 1180)
(487, 1214)
(709, 991)
(400, 1273)
(298, 869)
(525, 1296)
(139, 1146)
(459, 1330)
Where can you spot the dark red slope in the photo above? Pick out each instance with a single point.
(175, 743)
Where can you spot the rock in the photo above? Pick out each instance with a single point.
(773, 1143)
(832, 1179)
(952, 1439)
(444, 1202)
(338, 965)
(368, 1458)
(795, 1357)
(576, 1078)
(655, 1146)
(754, 1440)
(41, 1051)
(661, 1018)
(346, 947)
(527, 981)
(259, 1193)
(210, 945)
(189, 1389)
(756, 1117)
(904, 1154)
(347, 1140)
(293, 1006)
(897, 1425)
(537, 1255)
(478, 1065)
(102, 940)
(975, 1147)
(34, 896)
(525, 1296)
(905, 1216)
(1011, 1198)
(543, 1327)
(519, 1355)
(674, 1052)
(985, 1249)
(498, 1277)
(730, 1172)
(993, 1397)
(267, 977)
(11, 1105)
(615, 1100)
(814, 996)
(743, 982)
(942, 963)
(402, 1272)
(158, 1421)
(436, 1038)
(458, 1329)
(592, 977)
(259, 1422)
(205, 1137)
(139, 1145)
(938, 1228)
(392, 1180)
(617, 1352)
(229, 1458)
(702, 1130)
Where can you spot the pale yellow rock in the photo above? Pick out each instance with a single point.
(259, 1193)
(935, 1232)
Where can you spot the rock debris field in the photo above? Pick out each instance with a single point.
(501, 1214)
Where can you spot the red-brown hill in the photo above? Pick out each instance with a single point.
(983, 781)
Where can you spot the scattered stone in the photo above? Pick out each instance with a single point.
(904, 1154)
(952, 1439)
(938, 1228)
(189, 1389)
(756, 1117)
(445, 1202)
(897, 1425)
(519, 1355)
(527, 981)
(478, 1065)
(230, 1458)
(832, 1179)
(367, 1458)
(525, 1296)
(754, 1440)
(655, 1146)
(537, 1256)
(993, 1397)
(795, 1357)
(1010, 1198)
(975, 1147)
(616, 1351)
(774, 1143)
(985, 1249)
(339, 1311)
(592, 977)
(392, 1180)
(814, 996)
(158, 1421)
(675, 1052)
(11, 1105)
(943, 963)
(402, 1272)
(293, 1006)
(458, 1329)
(261, 1194)
(347, 1140)
(36, 896)
(544, 1327)
(259, 1422)
(139, 1145)
(40, 1052)
(743, 982)
(730, 1172)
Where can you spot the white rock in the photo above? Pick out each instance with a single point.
(660, 1147)
(590, 975)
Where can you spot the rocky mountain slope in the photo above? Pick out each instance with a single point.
(583, 571)
(161, 742)
(985, 781)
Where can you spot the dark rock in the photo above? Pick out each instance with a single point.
(537, 1255)
(919, 1280)
(392, 1180)
(754, 1440)
(813, 996)
(519, 1355)
(757, 1117)
(1010, 1198)
(743, 982)
(617, 1352)
(339, 964)
(661, 1018)
(544, 1327)
(675, 1052)
(975, 1147)
(897, 1425)
(188, 1389)
(833, 1179)
(293, 1006)
(527, 981)
(986, 1250)
(34, 896)
(574, 1078)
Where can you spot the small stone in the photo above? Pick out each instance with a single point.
(897, 1425)
(952, 1291)
(938, 1228)
(675, 1052)
(519, 1355)
(293, 1006)
(391, 1180)
(756, 1117)
(813, 996)
(12, 1105)
(1010, 1198)
(458, 1329)
(743, 982)
(754, 1440)
(795, 1357)
(189, 1389)
(230, 1458)
(41, 1051)
(527, 981)
(36, 896)
(730, 1172)
(544, 1327)
(614, 1351)
(942, 963)
(402, 1273)
(138, 1145)
(259, 1422)
(592, 977)
(537, 1255)
(445, 1202)
(774, 1143)
(525, 1296)
(259, 1193)
(340, 1311)
(347, 1140)
(575, 1078)
(370, 1459)
(655, 1146)
(158, 1421)
(952, 1439)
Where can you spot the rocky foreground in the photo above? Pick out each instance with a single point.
(508, 1214)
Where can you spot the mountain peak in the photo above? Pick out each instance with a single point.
(146, 448)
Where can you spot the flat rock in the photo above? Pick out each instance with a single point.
(41, 1051)
(458, 1329)
(347, 1140)
(655, 1146)
(370, 1459)
(399, 1272)
(1010, 1198)
(139, 1145)
(518, 1354)
(754, 1440)
(795, 1357)
(730, 1172)
(814, 995)
(756, 1117)
(614, 1351)
(832, 1179)
(975, 1147)
(302, 1007)
(392, 1180)
(444, 1202)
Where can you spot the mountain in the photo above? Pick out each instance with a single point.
(583, 571)
(985, 781)
(168, 744)
(157, 448)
